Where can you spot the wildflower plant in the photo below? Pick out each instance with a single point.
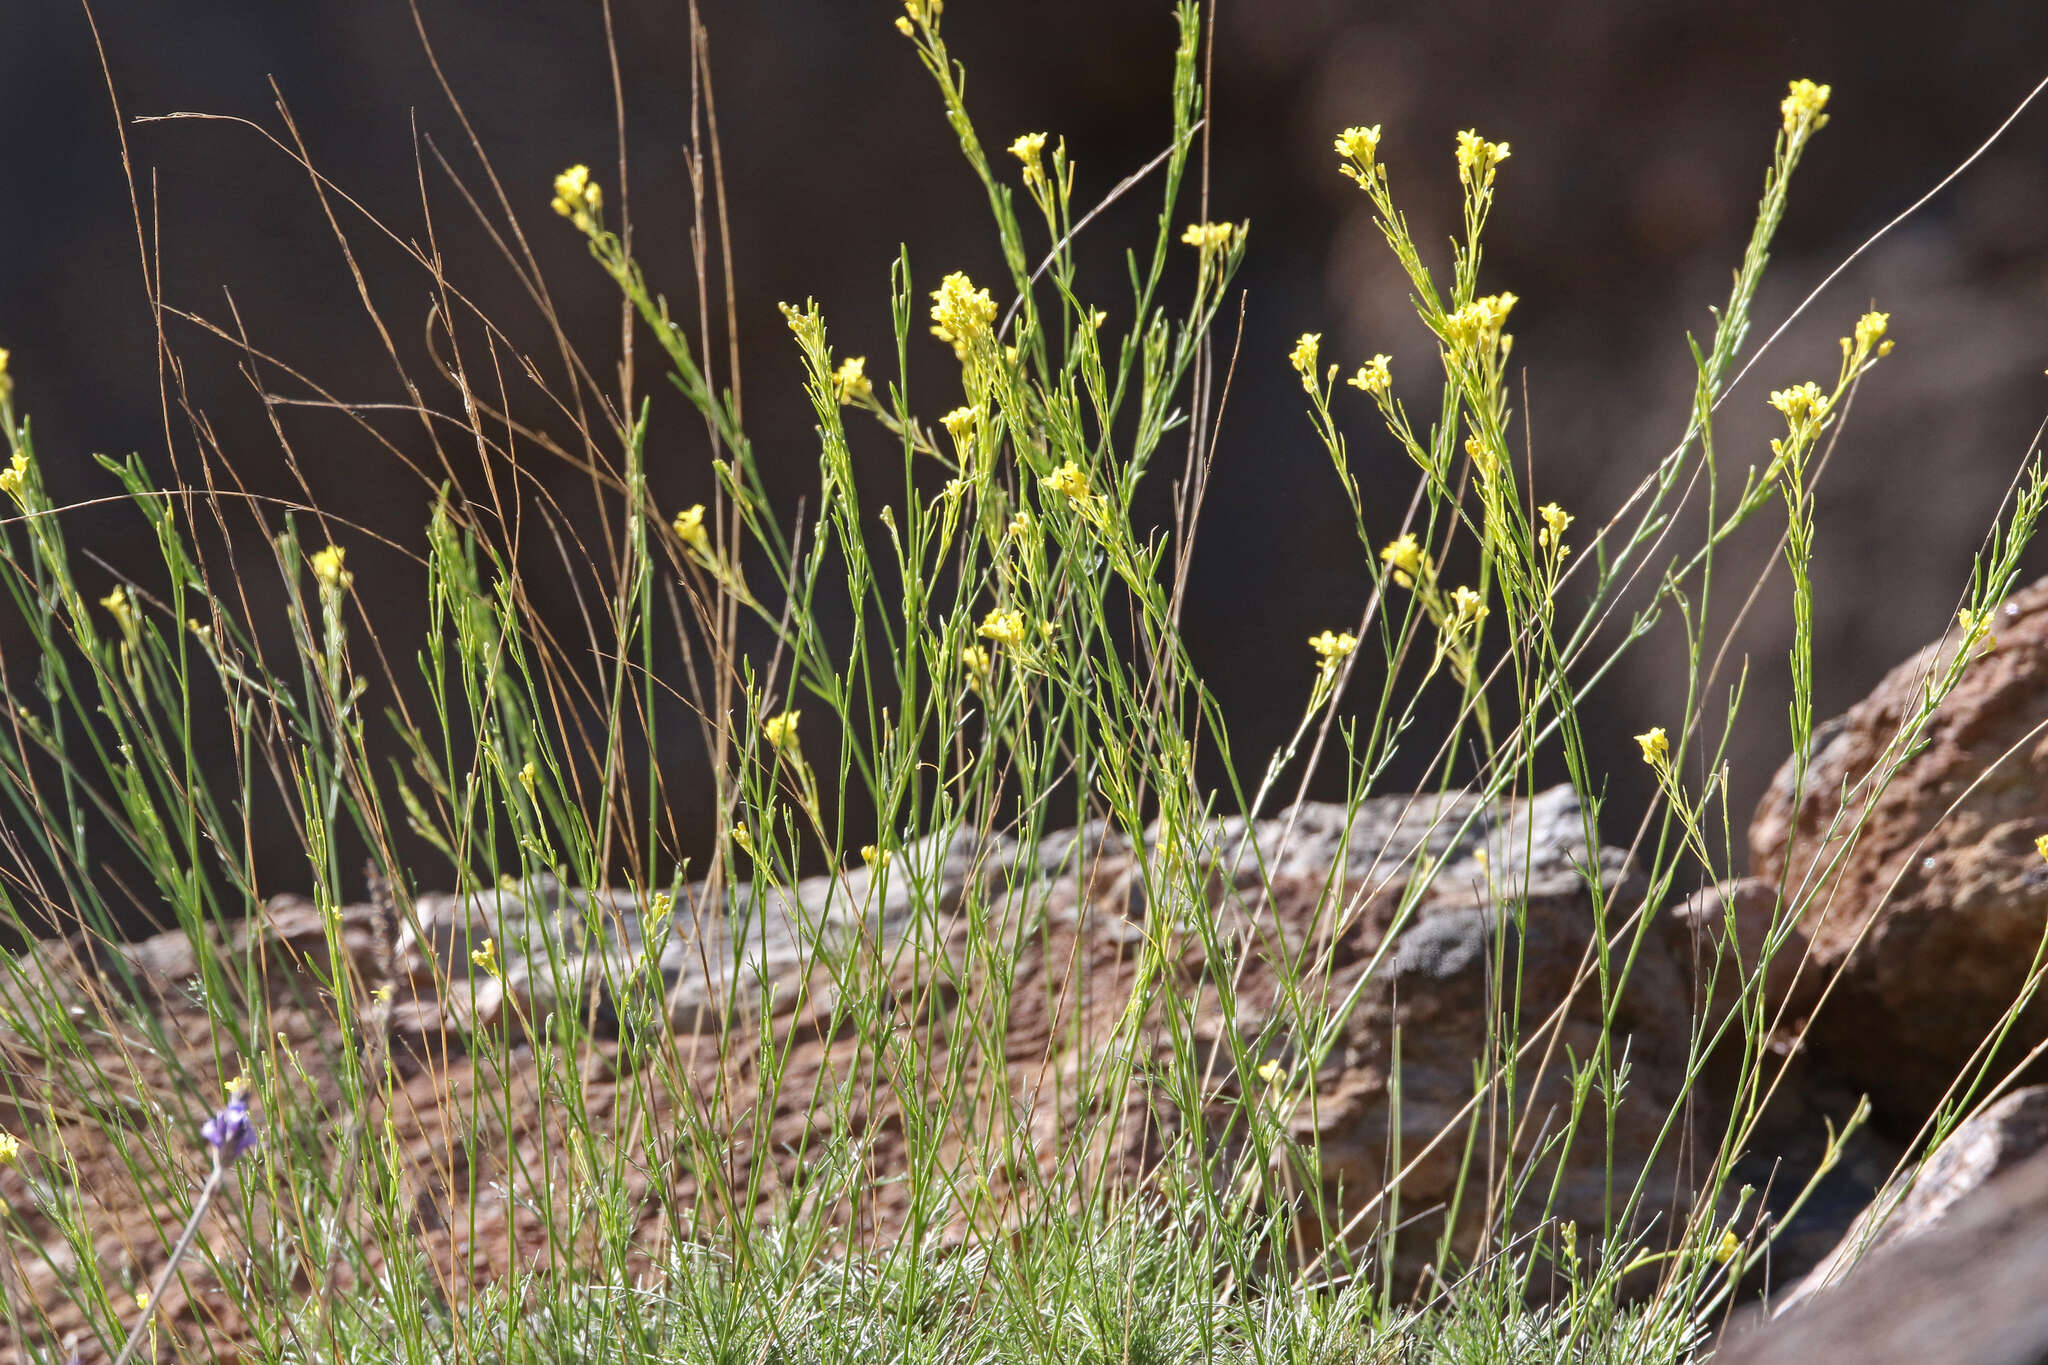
(945, 654)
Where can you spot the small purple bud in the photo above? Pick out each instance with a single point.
(230, 1132)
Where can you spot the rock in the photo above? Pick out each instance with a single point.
(1696, 931)
(1513, 889)
(1936, 913)
(1977, 1152)
(1966, 1289)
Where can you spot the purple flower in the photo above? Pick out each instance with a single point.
(230, 1132)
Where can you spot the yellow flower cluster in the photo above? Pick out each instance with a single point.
(780, 731)
(526, 778)
(1555, 520)
(578, 198)
(1656, 748)
(1209, 236)
(1869, 341)
(689, 528)
(1477, 158)
(1069, 479)
(10, 1149)
(1374, 377)
(1333, 647)
(485, 956)
(1977, 625)
(961, 314)
(1004, 626)
(1802, 405)
(1303, 358)
(1023, 524)
(15, 477)
(850, 382)
(1404, 557)
(328, 571)
(122, 610)
(874, 855)
(1030, 149)
(976, 661)
(1361, 146)
(1476, 328)
(1467, 608)
(1802, 107)
(961, 422)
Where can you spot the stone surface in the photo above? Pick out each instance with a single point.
(1410, 918)
(1934, 917)
(2007, 1133)
(1420, 970)
(1966, 1289)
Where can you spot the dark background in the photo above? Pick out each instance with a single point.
(1640, 134)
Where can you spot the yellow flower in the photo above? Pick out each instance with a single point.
(1029, 149)
(1467, 606)
(903, 26)
(1476, 326)
(874, 856)
(15, 477)
(1069, 479)
(6, 384)
(975, 660)
(577, 197)
(1477, 158)
(1975, 625)
(1404, 557)
(2041, 846)
(1333, 646)
(1004, 626)
(10, 1145)
(743, 837)
(1374, 377)
(660, 905)
(1555, 520)
(1359, 144)
(1023, 524)
(1656, 748)
(1209, 236)
(1727, 1248)
(1303, 358)
(1271, 1072)
(526, 779)
(1804, 407)
(485, 956)
(689, 528)
(850, 382)
(328, 571)
(924, 11)
(123, 610)
(961, 314)
(1095, 318)
(3, 360)
(1870, 330)
(780, 731)
(1802, 107)
(960, 422)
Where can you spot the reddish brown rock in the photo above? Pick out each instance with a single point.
(1936, 912)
